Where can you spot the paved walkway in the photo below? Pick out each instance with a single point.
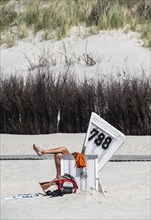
(115, 158)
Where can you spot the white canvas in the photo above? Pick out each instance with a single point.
(102, 139)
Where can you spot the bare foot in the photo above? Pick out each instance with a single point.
(37, 149)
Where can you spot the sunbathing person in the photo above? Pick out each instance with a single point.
(58, 153)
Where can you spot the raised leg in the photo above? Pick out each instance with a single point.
(58, 153)
(56, 150)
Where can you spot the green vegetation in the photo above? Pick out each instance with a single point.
(19, 18)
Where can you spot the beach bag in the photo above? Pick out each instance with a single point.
(66, 185)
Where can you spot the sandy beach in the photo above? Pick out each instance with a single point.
(126, 184)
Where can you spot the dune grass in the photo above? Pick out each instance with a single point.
(58, 16)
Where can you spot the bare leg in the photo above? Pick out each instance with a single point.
(46, 185)
(57, 158)
(56, 150)
(58, 153)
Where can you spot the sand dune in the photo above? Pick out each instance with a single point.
(113, 51)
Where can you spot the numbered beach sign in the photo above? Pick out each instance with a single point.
(102, 139)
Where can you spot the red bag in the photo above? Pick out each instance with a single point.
(67, 184)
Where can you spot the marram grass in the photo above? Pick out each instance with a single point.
(60, 15)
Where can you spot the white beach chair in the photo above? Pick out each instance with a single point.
(102, 140)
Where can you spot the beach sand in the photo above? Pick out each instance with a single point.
(126, 184)
(115, 53)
